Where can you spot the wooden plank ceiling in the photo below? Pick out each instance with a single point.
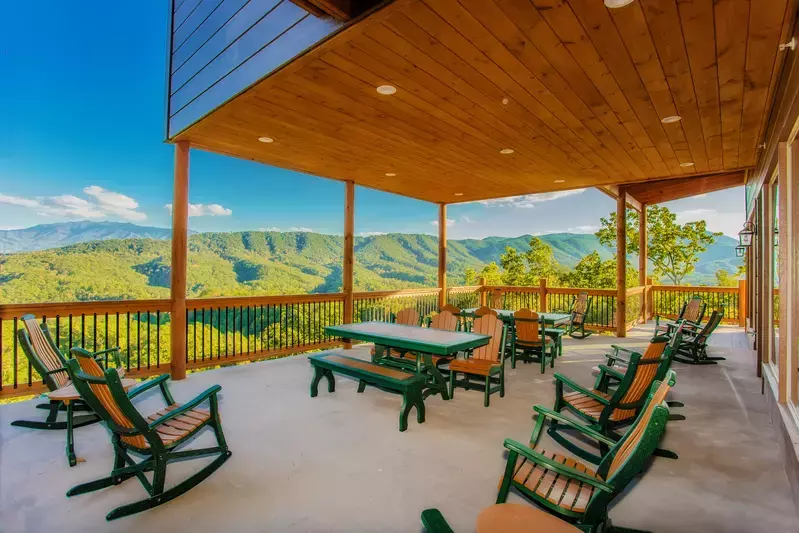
(577, 91)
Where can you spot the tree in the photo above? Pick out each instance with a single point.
(593, 273)
(725, 279)
(526, 268)
(673, 249)
(491, 274)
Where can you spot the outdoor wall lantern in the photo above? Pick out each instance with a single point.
(740, 251)
(745, 235)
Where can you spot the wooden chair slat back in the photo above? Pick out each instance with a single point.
(692, 309)
(103, 393)
(408, 317)
(497, 300)
(527, 329)
(633, 437)
(580, 308)
(645, 373)
(452, 309)
(483, 311)
(712, 323)
(45, 352)
(444, 320)
(488, 325)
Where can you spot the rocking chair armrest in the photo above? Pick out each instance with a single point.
(555, 466)
(147, 385)
(57, 370)
(578, 388)
(106, 351)
(612, 372)
(617, 349)
(204, 396)
(549, 413)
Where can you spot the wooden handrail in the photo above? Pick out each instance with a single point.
(688, 288)
(632, 291)
(237, 301)
(8, 311)
(401, 292)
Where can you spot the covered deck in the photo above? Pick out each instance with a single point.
(337, 462)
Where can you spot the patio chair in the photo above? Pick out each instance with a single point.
(483, 311)
(446, 321)
(486, 362)
(156, 437)
(408, 316)
(529, 341)
(693, 346)
(573, 490)
(580, 307)
(497, 300)
(45, 357)
(691, 312)
(607, 409)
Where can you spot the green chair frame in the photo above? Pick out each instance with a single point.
(609, 398)
(542, 353)
(577, 320)
(693, 346)
(494, 381)
(157, 454)
(624, 460)
(671, 326)
(55, 375)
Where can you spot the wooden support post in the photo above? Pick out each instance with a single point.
(542, 295)
(650, 299)
(481, 296)
(643, 257)
(621, 263)
(442, 255)
(180, 237)
(742, 303)
(349, 252)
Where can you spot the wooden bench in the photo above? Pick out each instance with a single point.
(385, 378)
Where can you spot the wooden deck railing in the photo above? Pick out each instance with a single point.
(230, 330)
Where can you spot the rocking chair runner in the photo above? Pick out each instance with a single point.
(691, 313)
(528, 338)
(485, 362)
(45, 357)
(606, 409)
(572, 490)
(155, 437)
(579, 311)
(693, 346)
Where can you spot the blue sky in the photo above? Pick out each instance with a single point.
(82, 129)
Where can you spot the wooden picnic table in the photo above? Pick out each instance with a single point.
(423, 342)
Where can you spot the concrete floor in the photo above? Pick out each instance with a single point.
(338, 463)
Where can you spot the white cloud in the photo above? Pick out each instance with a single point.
(273, 228)
(528, 201)
(728, 223)
(583, 229)
(301, 229)
(466, 220)
(203, 210)
(371, 233)
(450, 222)
(103, 205)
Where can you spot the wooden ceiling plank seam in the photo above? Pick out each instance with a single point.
(631, 26)
(590, 70)
(789, 21)
(731, 59)
(421, 14)
(465, 132)
(539, 35)
(668, 36)
(591, 129)
(548, 108)
(474, 84)
(606, 42)
(699, 33)
(457, 89)
(765, 25)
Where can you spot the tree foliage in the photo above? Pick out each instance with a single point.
(673, 249)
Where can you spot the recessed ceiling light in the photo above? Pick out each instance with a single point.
(265, 139)
(390, 174)
(505, 101)
(458, 194)
(617, 3)
(560, 181)
(670, 120)
(387, 89)
(688, 164)
(506, 151)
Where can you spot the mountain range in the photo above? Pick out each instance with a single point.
(106, 260)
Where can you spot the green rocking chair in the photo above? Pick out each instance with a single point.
(579, 311)
(572, 490)
(693, 346)
(605, 408)
(691, 313)
(156, 437)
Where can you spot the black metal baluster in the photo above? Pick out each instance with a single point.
(138, 340)
(158, 339)
(14, 352)
(82, 330)
(148, 338)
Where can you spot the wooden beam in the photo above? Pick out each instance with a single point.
(180, 238)
(613, 192)
(442, 254)
(349, 251)
(643, 256)
(659, 191)
(338, 9)
(621, 263)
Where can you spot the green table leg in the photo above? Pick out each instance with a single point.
(73, 460)
(440, 384)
